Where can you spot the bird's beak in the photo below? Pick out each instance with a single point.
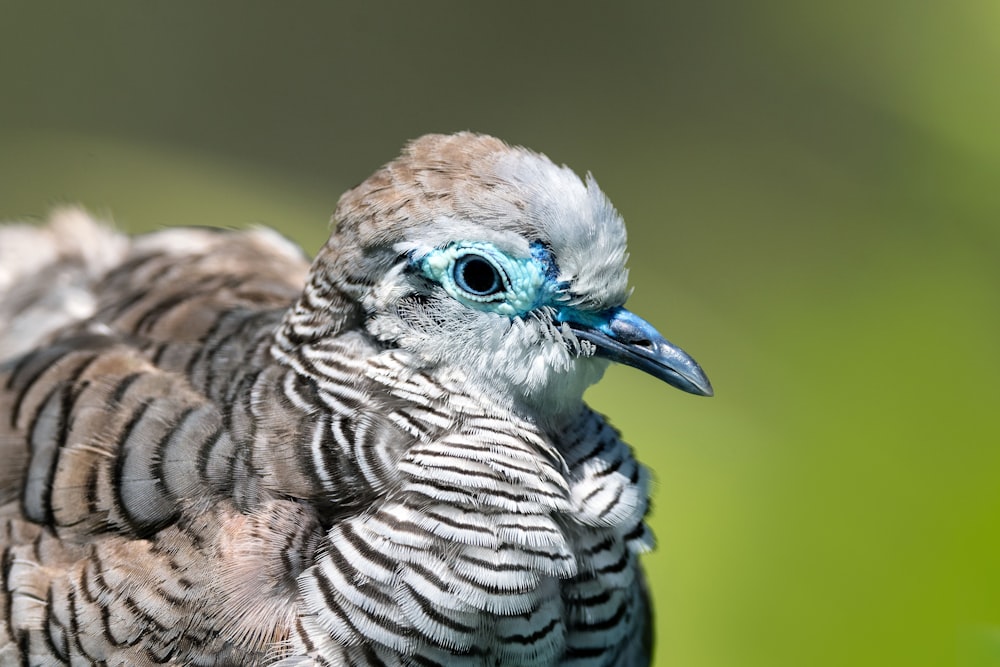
(621, 335)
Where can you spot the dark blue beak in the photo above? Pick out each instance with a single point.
(622, 336)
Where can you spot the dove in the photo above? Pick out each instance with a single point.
(220, 453)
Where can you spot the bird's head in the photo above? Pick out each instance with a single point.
(494, 262)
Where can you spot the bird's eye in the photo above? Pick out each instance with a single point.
(477, 276)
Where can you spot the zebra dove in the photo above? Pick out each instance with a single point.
(216, 453)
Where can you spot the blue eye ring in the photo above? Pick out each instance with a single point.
(478, 276)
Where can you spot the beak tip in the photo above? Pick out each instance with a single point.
(695, 383)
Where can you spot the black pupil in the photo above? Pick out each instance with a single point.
(478, 276)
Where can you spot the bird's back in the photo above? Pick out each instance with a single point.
(117, 358)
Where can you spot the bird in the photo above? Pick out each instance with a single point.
(218, 452)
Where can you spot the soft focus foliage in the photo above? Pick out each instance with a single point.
(813, 197)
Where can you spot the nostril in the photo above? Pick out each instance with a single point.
(643, 342)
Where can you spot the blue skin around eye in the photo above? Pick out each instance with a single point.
(529, 282)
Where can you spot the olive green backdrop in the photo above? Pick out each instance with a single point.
(813, 198)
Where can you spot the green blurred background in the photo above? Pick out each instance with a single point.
(813, 198)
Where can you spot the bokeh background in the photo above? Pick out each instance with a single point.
(813, 198)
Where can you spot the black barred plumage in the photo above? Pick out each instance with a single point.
(219, 455)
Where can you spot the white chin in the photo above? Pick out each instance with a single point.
(561, 392)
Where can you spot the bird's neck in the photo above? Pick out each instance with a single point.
(315, 316)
